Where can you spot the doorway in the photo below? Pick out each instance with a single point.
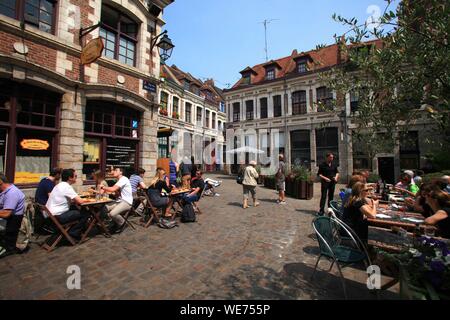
(386, 169)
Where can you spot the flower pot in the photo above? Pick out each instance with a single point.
(304, 190)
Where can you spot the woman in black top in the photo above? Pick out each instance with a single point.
(358, 209)
(439, 201)
(157, 185)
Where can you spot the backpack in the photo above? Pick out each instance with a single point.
(188, 213)
(167, 224)
(240, 177)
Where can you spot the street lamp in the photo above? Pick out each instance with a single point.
(165, 45)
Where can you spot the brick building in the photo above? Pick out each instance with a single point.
(283, 95)
(56, 112)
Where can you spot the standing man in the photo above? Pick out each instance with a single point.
(12, 204)
(281, 180)
(329, 176)
(123, 203)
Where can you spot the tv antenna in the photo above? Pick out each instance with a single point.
(265, 23)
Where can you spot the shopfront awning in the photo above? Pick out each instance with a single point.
(165, 132)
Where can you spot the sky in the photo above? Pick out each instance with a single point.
(218, 38)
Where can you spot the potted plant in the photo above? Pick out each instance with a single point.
(176, 115)
(269, 182)
(260, 177)
(303, 185)
(163, 111)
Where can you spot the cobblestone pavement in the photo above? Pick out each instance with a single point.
(266, 252)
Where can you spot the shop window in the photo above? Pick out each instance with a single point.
(3, 139)
(33, 156)
(91, 157)
(111, 137)
(301, 148)
(327, 141)
(31, 132)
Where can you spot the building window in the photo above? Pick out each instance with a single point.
(38, 13)
(119, 34)
(222, 107)
(199, 116)
(270, 74)
(28, 129)
(360, 156)
(354, 98)
(164, 100)
(301, 67)
(249, 113)
(301, 148)
(324, 99)
(299, 102)
(175, 102)
(327, 141)
(207, 112)
(246, 79)
(236, 111)
(409, 151)
(186, 85)
(111, 137)
(195, 90)
(188, 110)
(163, 147)
(263, 108)
(277, 106)
(213, 123)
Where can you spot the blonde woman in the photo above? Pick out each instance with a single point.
(358, 208)
(99, 179)
(249, 184)
(155, 189)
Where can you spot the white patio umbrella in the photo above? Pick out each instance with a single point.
(245, 149)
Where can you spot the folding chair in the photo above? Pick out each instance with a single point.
(127, 215)
(153, 211)
(61, 229)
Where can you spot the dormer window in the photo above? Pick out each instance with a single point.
(270, 74)
(186, 85)
(301, 66)
(246, 79)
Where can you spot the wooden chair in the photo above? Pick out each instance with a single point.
(61, 230)
(154, 212)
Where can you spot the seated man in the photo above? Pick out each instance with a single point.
(12, 204)
(123, 203)
(197, 185)
(60, 199)
(46, 186)
(406, 186)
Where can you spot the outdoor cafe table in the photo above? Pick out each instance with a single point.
(94, 209)
(398, 219)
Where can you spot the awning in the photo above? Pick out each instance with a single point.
(165, 132)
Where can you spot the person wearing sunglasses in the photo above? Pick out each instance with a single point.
(358, 208)
(439, 201)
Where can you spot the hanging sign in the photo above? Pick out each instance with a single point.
(34, 144)
(92, 51)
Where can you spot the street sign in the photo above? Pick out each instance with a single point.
(149, 86)
(92, 51)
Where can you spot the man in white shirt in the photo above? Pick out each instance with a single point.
(123, 203)
(60, 199)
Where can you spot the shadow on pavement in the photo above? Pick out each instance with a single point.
(268, 200)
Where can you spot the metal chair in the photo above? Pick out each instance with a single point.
(336, 206)
(328, 231)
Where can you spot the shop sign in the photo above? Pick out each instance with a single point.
(149, 86)
(92, 51)
(34, 144)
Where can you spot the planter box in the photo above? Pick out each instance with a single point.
(289, 186)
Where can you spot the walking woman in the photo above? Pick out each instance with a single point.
(249, 184)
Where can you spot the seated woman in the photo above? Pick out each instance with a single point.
(348, 190)
(99, 179)
(439, 201)
(155, 189)
(358, 209)
(419, 203)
